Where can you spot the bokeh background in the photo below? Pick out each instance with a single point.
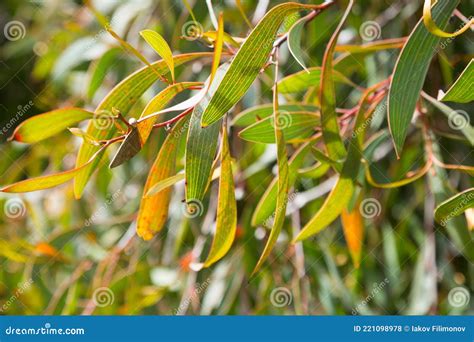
(59, 255)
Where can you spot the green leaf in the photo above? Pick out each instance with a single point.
(226, 222)
(153, 211)
(267, 204)
(249, 60)
(138, 137)
(410, 73)
(456, 119)
(99, 70)
(303, 80)
(462, 91)
(329, 124)
(296, 126)
(159, 44)
(42, 126)
(454, 206)
(122, 97)
(201, 146)
(164, 183)
(257, 113)
(294, 41)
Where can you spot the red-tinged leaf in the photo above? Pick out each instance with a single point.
(353, 227)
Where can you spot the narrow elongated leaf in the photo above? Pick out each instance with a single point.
(410, 73)
(248, 62)
(159, 44)
(454, 206)
(462, 91)
(303, 80)
(456, 119)
(258, 113)
(201, 146)
(342, 192)
(267, 204)
(164, 183)
(294, 41)
(415, 175)
(99, 70)
(327, 96)
(296, 127)
(434, 29)
(43, 126)
(154, 209)
(353, 227)
(226, 222)
(138, 137)
(282, 185)
(378, 45)
(122, 97)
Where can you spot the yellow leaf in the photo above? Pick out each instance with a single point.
(434, 29)
(159, 44)
(353, 227)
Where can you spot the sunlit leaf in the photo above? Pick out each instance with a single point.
(122, 97)
(294, 41)
(258, 113)
(164, 183)
(434, 29)
(378, 45)
(43, 126)
(410, 72)
(153, 211)
(226, 222)
(303, 80)
(247, 63)
(462, 91)
(296, 127)
(159, 44)
(454, 206)
(327, 98)
(353, 227)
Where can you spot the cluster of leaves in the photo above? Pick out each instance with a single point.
(319, 138)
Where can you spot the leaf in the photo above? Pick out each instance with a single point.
(267, 204)
(410, 73)
(226, 222)
(353, 227)
(159, 44)
(457, 119)
(153, 211)
(282, 184)
(99, 70)
(201, 146)
(294, 41)
(302, 80)
(454, 206)
(81, 134)
(122, 97)
(138, 137)
(296, 127)
(327, 96)
(342, 192)
(257, 113)
(48, 181)
(462, 91)
(247, 63)
(164, 183)
(378, 45)
(43, 126)
(434, 29)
